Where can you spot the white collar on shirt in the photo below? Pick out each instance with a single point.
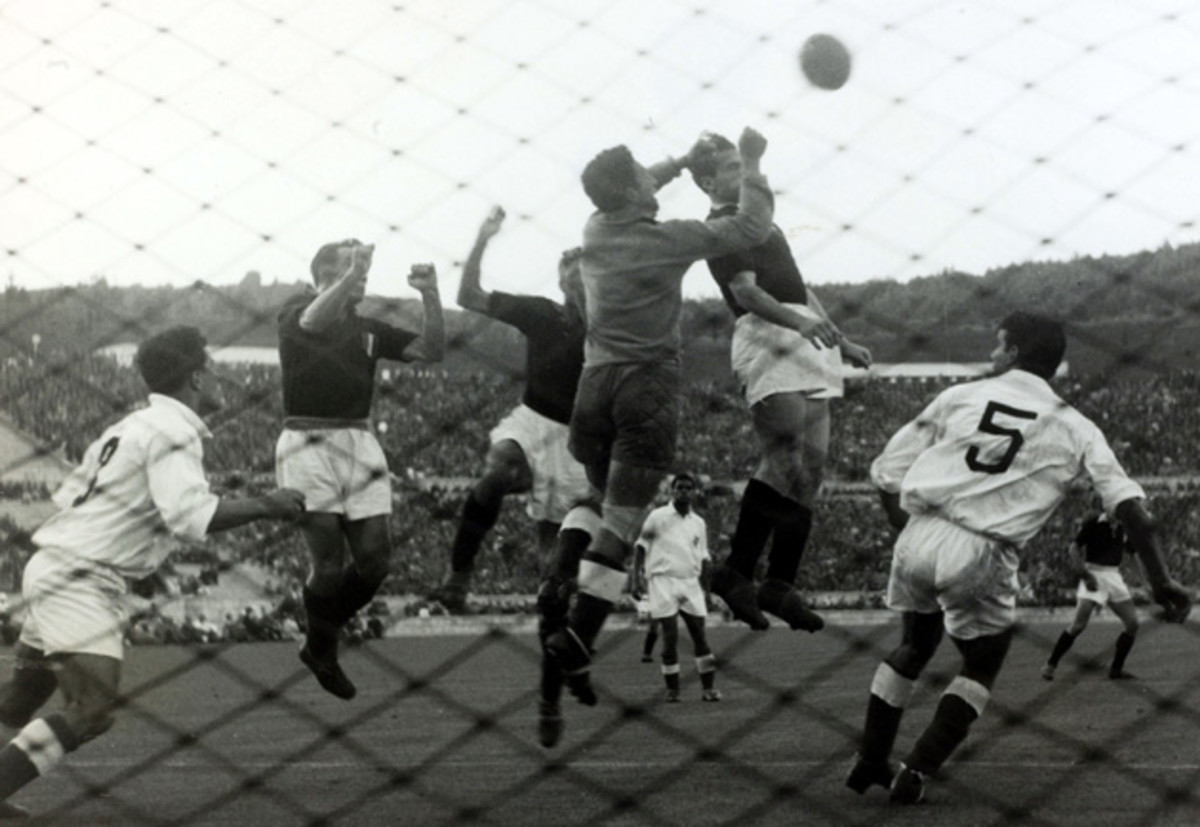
(158, 400)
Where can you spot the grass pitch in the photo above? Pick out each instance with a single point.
(443, 732)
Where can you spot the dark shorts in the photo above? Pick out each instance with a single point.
(628, 413)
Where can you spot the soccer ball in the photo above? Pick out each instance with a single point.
(825, 61)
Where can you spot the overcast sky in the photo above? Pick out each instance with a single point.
(163, 142)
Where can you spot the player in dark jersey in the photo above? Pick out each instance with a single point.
(528, 451)
(1099, 548)
(328, 450)
(787, 355)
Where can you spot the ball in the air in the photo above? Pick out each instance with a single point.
(825, 61)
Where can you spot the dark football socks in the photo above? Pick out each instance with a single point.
(760, 509)
(477, 520)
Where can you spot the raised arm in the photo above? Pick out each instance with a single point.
(430, 346)
(331, 303)
(472, 296)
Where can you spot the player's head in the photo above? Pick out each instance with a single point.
(683, 489)
(570, 278)
(613, 180)
(1029, 342)
(332, 260)
(175, 363)
(716, 167)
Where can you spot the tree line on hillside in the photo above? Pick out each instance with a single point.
(1118, 308)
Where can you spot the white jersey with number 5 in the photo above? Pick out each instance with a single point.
(997, 456)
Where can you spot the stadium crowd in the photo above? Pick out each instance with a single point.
(434, 425)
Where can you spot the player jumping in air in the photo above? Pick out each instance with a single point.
(626, 414)
(970, 481)
(787, 355)
(528, 451)
(671, 563)
(1098, 551)
(328, 450)
(144, 476)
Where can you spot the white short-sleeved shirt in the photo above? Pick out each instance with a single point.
(997, 456)
(143, 478)
(676, 544)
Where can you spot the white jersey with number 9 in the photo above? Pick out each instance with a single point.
(997, 456)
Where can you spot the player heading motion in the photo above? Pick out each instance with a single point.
(144, 476)
(328, 450)
(626, 415)
(969, 482)
(528, 451)
(787, 355)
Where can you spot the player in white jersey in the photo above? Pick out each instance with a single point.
(141, 479)
(969, 482)
(672, 560)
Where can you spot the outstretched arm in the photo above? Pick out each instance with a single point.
(472, 296)
(279, 504)
(430, 346)
(1139, 525)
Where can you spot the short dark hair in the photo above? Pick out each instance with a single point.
(684, 476)
(328, 255)
(1040, 342)
(703, 159)
(608, 177)
(168, 359)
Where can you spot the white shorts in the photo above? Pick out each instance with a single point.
(72, 609)
(339, 471)
(768, 359)
(1110, 586)
(559, 480)
(939, 566)
(668, 596)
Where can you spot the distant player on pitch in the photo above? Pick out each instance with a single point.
(328, 450)
(787, 355)
(1098, 550)
(528, 452)
(143, 478)
(672, 561)
(970, 481)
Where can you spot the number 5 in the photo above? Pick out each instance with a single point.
(988, 425)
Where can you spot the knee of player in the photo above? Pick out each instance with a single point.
(327, 571)
(910, 659)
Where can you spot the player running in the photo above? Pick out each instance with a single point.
(671, 562)
(787, 354)
(971, 480)
(144, 476)
(528, 451)
(1098, 550)
(328, 450)
(626, 413)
